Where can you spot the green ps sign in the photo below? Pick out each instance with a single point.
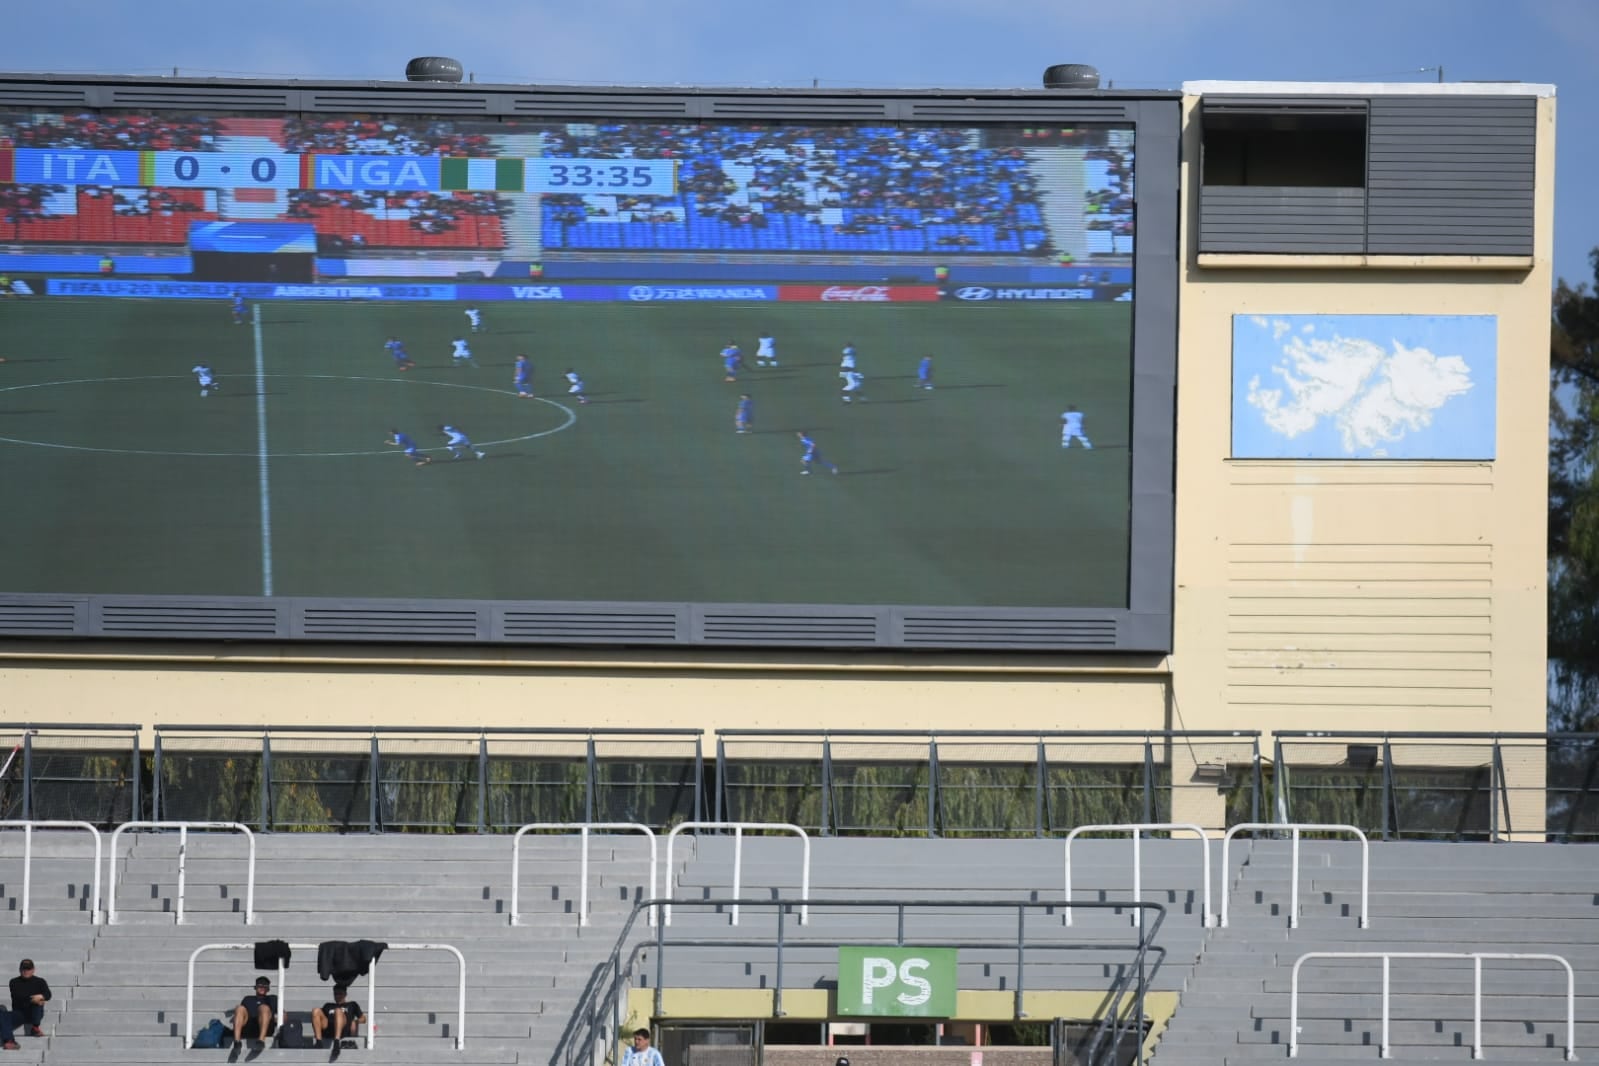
(896, 982)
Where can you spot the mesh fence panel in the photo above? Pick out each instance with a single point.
(988, 788)
(880, 787)
(537, 780)
(1093, 782)
(428, 783)
(321, 783)
(210, 778)
(1441, 789)
(773, 780)
(1572, 796)
(655, 782)
(86, 776)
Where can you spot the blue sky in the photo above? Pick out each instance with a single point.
(864, 43)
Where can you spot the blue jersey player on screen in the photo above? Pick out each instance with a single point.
(811, 455)
(732, 362)
(396, 349)
(241, 310)
(744, 415)
(404, 442)
(522, 377)
(924, 373)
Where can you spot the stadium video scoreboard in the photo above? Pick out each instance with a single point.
(370, 173)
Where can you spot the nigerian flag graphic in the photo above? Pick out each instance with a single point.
(502, 175)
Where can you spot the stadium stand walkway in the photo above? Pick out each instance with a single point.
(1424, 897)
(120, 989)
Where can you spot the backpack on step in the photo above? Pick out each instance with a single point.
(291, 1034)
(209, 1035)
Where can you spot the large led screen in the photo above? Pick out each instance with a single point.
(415, 359)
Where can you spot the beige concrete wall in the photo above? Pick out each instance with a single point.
(1364, 595)
(296, 686)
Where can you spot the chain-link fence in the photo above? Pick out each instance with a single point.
(88, 773)
(1431, 786)
(973, 783)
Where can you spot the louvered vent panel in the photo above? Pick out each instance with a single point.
(397, 103)
(199, 98)
(45, 96)
(43, 618)
(1009, 632)
(821, 630)
(389, 623)
(983, 110)
(600, 107)
(589, 626)
(169, 619)
(801, 108)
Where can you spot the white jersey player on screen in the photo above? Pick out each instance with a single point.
(854, 382)
(766, 350)
(208, 380)
(475, 317)
(461, 355)
(1071, 428)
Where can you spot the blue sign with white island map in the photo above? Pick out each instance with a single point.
(1364, 386)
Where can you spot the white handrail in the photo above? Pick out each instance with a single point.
(1476, 1005)
(371, 988)
(1293, 885)
(28, 826)
(1137, 829)
(583, 867)
(738, 859)
(183, 850)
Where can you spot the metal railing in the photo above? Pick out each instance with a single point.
(1137, 829)
(584, 828)
(1476, 1000)
(1039, 783)
(371, 1035)
(590, 1037)
(738, 858)
(977, 782)
(183, 853)
(27, 862)
(461, 779)
(1293, 889)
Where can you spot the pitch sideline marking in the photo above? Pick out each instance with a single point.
(571, 418)
(263, 462)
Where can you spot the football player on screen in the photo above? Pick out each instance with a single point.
(766, 350)
(460, 354)
(732, 362)
(744, 414)
(575, 385)
(404, 442)
(522, 377)
(811, 456)
(1071, 428)
(208, 381)
(241, 310)
(458, 443)
(475, 317)
(854, 382)
(924, 373)
(396, 349)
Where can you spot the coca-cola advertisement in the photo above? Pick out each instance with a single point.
(858, 294)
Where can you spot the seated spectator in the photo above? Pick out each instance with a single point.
(253, 1018)
(342, 1016)
(6, 1033)
(29, 993)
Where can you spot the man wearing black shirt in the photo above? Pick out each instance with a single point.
(253, 1015)
(343, 1016)
(29, 993)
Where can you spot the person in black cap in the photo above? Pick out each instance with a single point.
(29, 994)
(252, 1018)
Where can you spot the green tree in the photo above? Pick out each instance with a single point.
(1574, 509)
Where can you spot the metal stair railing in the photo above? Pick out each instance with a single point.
(590, 1036)
(1293, 889)
(28, 826)
(1476, 958)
